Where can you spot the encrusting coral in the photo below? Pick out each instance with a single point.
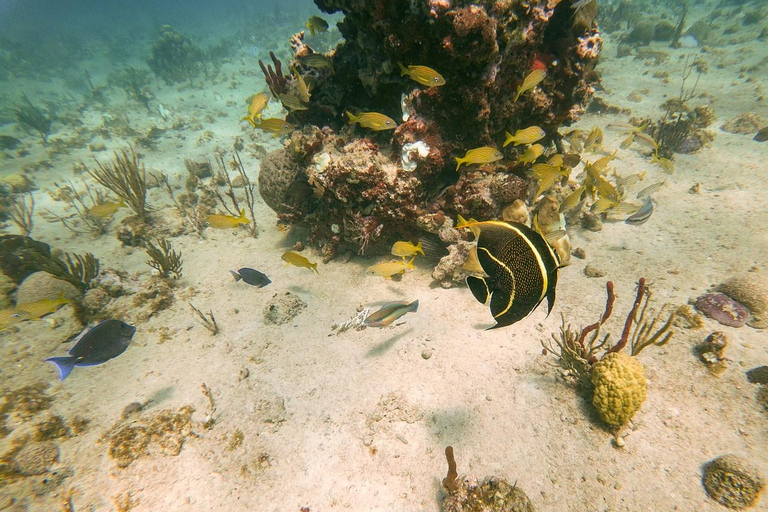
(371, 188)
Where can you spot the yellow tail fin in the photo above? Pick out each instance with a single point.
(351, 116)
(403, 70)
(459, 161)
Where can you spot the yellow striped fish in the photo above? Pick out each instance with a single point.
(291, 102)
(104, 210)
(258, 102)
(227, 221)
(40, 308)
(275, 125)
(531, 154)
(525, 136)
(372, 120)
(533, 79)
(423, 75)
(482, 155)
(11, 316)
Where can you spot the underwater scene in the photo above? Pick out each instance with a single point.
(385, 255)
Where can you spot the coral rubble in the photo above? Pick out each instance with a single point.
(371, 188)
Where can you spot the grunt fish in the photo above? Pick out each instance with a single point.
(390, 312)
(227, 221)
(12, 316)
(291, 102)
(594, 139)
(40, 308)
(482, 155)
(105, 210)
(318, 61)
(405, 249)
(423, 75)
(275, 125)
(531, 80)
(372, 120)
(525, 136)
(390, 268)
(316, 24)
(531, 154)
(258, 102)
(297, 260)
(303, 89)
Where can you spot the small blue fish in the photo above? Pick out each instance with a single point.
(99, 344)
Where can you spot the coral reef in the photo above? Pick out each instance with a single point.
(372, 188)
(174, 57)
(619, 387)
(164, 259)
(751, 291)
(723, 309)
(733, 482)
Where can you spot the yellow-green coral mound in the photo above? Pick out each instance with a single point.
(620, 387)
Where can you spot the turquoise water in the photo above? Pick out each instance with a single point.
(270, 391)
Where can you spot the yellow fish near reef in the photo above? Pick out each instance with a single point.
(482, 155)
(533, 79)
(390, 268)
(303, 90)
(40, 308)
(317, 61)
(227, 221)
(11, 316)
(104, 210)
(297, 260)
(405, 249)
(275, 125)
(423, 75)
(316, 24)
(258, 102)
(531, 154)
(525, 136)
(372, 120)
(291, 102)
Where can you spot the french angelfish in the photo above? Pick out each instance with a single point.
(521, 267)
(99, 344)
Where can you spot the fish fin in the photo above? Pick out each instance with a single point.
(551, 292)
(509, 138)
(414, 306)
(314, 267)
(235, 275)
(410, 263)
(519, 92)
(403, 69)
(419, 248)
(479, 288)
(63, 364)
(352, 118)
(459, 161)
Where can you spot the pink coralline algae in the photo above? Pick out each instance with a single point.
(348, 185)
(723, 309)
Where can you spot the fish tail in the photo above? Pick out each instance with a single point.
(352, 118)
(314, 267)
(459, 161)
(242, 214)
(410, 262)
(235, 275)
(413, 306)
(403, 69)
(509, 139)
(63, 364)
(419, 248)
(519, 92)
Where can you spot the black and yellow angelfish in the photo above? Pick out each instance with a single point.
(521, 267)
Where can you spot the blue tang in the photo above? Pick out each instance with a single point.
(99, 344)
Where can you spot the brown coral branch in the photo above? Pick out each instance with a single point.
(449, 482)
(277, 83)
(630, 317)
(611, 297)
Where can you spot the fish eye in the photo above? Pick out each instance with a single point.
(389, 122)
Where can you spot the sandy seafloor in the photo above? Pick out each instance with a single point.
(359, 421)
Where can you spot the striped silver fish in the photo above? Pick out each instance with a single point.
(643, 214)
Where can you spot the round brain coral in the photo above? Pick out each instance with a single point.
(620, 387)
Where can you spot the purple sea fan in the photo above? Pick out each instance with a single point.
(718, 306)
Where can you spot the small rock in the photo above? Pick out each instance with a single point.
(592, 271)
(714, 345)
(723, 309)
(580, 253)
(758, 375)
(733, 482)
(281, 309)
(744, 124)
(591, 221)
(426, 353)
